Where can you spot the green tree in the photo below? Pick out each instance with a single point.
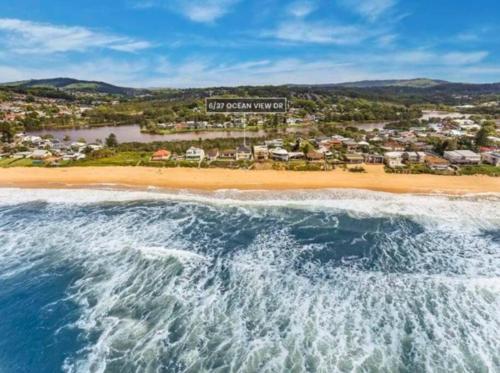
(6, 132)
(111, 141)
(487, 129)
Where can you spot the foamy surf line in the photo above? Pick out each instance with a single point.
(472, 210)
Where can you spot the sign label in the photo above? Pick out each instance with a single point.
(246, 105)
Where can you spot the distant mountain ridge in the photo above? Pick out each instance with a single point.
(76, 85)
(412, 83)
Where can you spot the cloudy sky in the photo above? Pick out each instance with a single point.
(193, 43)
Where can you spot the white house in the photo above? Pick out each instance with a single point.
(462, 157)
(393, 159)
(491, 158)
(40, 154)
(260, 152)
(279, 154)
(195, 154)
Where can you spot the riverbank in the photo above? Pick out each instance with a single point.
(212, 179)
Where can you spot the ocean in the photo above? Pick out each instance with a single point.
(307, 281)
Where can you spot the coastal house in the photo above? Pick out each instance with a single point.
(393, 159)
(373, 158)
(462, 157)
(213, 154)
(313, 155)
(350, 145)
(161, 155)
(492, 158)
(243, 153)
(260, 153)
(353, 158)
(195, 154)
(393, 146)
(413, 157)
(279, 154)
(295, 155)
(436, 163)
(227, 154)
(40, 154)
(276, 143)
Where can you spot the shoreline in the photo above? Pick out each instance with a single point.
(374, 179)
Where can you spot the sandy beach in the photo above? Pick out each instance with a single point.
(211, 179)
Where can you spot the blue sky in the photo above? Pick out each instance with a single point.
(193, 43)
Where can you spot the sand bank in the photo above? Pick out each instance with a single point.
(211, 179)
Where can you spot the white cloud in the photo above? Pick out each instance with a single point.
(28, 37)
(315, 32)
(203, 11)
(425, 57)
(370, 9)
(301, 8)
(210, 71)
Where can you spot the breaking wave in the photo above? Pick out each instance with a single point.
(325, 281)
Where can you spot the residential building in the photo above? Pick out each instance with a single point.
(313, 155)
(227, 154)
(393, 159)
(353, 158)
(413, 157)
(436, 163)
(195, 154)
(243, 153)
(295, 155)
(462, 157)
(492, 158)
(279, 154)
(260, 153)
(40, 154)
(373, 158)
(161, 155)
(213, 154)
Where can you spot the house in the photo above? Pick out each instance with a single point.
(436, 163)
(161, 155)
(373, 158)
(276, 143)
(393, 159)
(313, 155)
(353, 158)
(20, 155)
(195, 154)
(350, 145)
(260, 153)
(279, 154)
(393, 146)
(40, 154)
(413, 157)
(462, 157)
(491, 158)
(243, 153)
(228, 154)
(295, 155)
(213, 154)
(32, 139)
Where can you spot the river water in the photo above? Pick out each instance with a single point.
(132, 133)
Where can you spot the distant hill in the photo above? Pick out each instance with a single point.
(75, 85)
(411, 83)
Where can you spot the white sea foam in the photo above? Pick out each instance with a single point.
(162, 292)
(452, 211)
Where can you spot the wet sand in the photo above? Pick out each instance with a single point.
(212, 179)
